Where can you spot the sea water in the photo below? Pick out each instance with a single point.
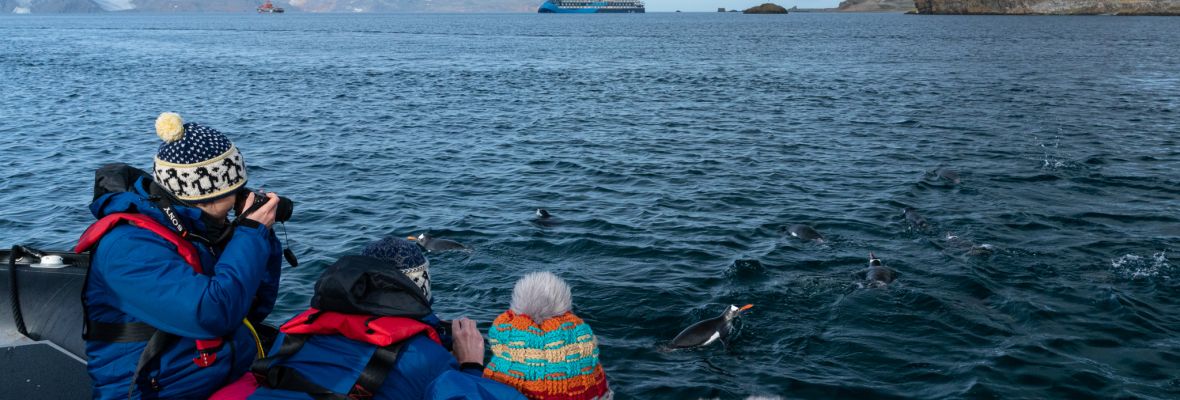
(671, 149)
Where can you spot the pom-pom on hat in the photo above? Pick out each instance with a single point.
(196, 163)
(406, 256)
(551, 354)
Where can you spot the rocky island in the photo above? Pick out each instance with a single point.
(766, 8)
(1049, 7)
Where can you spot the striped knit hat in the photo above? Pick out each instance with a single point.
(196, 163)
(556, 358)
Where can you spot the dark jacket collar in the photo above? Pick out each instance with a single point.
(136, 199)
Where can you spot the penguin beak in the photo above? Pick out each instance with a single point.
(746, 307)
(872, 256)
(411, 238)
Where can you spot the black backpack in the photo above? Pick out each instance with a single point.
(369, 286)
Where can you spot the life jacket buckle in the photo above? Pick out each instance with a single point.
(207, 351)
(205, 359)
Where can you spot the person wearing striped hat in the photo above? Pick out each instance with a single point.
(541, 348)
(370, 333)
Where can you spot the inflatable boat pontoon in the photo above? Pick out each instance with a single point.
(42, 355)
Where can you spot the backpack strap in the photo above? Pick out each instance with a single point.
(149, 360)
(375, 372)
(287, 378)
(119, 333)
(291, 345)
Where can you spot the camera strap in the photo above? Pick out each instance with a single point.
(287, 253)
(163, 201)
(165, 206)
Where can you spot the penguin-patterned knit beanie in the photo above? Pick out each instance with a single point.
(542, 349)
(196, 163)
(406, 256)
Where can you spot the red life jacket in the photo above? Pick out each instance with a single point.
(377, 331)
(206, 348)
(387, 333)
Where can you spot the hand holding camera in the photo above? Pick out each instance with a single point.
(266, 209)
(261, 213)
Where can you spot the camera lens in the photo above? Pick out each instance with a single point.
(284, 210)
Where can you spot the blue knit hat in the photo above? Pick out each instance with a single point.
(195, 162)
(406, 256)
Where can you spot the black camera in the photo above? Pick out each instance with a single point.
(282, 212)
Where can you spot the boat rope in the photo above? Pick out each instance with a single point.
(14, 290)
(257, 341)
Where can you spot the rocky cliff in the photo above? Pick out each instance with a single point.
(79, 6)
(876, 5)
(1049, 7)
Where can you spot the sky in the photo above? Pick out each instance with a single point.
(712, 5)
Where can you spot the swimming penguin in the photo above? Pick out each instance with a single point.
(431, 244)
(943, 176)
(948, 175)
(544, 219)
(877, 274)
(914, 219)
(968, 247)
(710, 330)
(981, 250)
(805, 232)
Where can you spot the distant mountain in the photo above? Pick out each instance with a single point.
(83, 6)
(48, 6)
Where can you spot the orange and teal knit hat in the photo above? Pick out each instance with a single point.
(556, 359)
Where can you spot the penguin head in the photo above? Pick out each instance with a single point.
(873, 260)
(421, 239)
(541, 213)
(733, 311)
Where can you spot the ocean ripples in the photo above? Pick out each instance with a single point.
(672, 150)
(1140, 267)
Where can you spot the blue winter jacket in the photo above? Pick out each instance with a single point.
(137, 276)
(423, 370)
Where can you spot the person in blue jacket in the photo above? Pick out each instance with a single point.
(366, 308)
(158, 326)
